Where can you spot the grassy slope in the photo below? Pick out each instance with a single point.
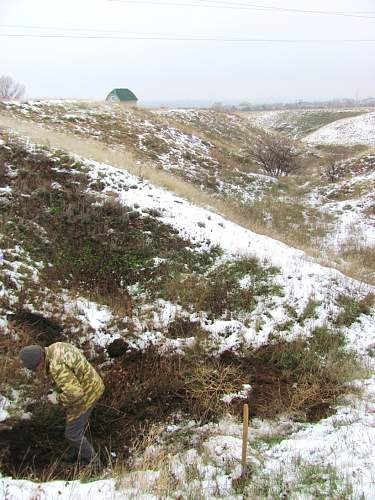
(208, 149)
(62, 240)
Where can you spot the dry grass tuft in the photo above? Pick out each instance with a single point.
(360, 259)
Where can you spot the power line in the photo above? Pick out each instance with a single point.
(215, 4)
(283, 9)
(85, 30)
(141, 35)
(192, 38)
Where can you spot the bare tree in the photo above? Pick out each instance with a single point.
(9, 89)
(276, 154)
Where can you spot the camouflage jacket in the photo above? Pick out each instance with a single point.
(78, 384)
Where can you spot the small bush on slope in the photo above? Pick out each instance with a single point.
(276, 154)
(353, 308)
(218, 291)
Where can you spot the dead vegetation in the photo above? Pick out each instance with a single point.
(145, 389)
(276, 154)
(359, 259)
(10, 89)
(303, 378)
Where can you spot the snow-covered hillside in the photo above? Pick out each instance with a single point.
(194, 145)
(351, 201)
(299, 123)
(290, 301)
(349, 131)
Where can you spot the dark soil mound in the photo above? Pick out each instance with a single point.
(44, 330)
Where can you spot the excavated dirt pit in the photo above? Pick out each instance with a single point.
(30, 449)
(139, 393)
(145, 388)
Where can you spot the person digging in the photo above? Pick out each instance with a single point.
(78, 385)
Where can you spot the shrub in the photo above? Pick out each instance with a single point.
(334, 170)
(3, 173)
(219, 291)
(353, 308)
(276, 154)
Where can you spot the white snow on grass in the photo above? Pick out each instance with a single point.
(344, 441)
(265, 119)
(4, 405)
(246, 389)
(16, 267)
(352, 221)
(300, 277)
(13, 406)
(350, 201)
(69, 490)
(299, 122)
(349, 131)
(97, 317)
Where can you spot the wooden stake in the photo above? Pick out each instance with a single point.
(245, 434)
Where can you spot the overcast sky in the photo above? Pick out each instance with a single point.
(165, 71)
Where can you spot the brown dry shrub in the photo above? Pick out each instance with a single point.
(206, 384)
(185, 328)
(303, 377)
(10, 367)
(304, 393)
(360, 259)
(144, 389)
(276, 154)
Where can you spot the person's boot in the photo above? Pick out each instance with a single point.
(93, 468)
(70, 456)
(97, 466)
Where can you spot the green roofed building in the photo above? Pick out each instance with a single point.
(122, 96)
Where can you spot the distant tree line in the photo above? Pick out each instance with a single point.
(334, 103)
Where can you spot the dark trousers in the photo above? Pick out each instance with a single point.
(75, 434)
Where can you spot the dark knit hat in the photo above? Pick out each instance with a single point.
(31, 356)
